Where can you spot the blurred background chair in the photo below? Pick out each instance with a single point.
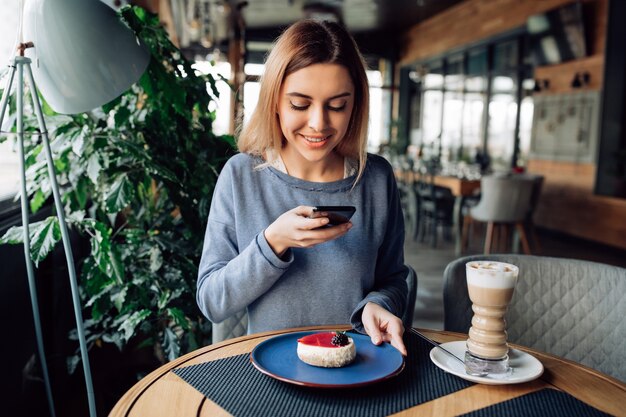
(237, 324)
(570, 308)
(504, 204)
(435, 207)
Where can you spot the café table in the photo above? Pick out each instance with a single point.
(163, 393)
(461, 189)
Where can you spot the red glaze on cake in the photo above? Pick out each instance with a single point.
(319, 339)
(318, 349)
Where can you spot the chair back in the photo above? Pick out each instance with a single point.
(233, 326)
(535, 195)
(237, 324)
(567, 307)
(503, 199)
(411, 282)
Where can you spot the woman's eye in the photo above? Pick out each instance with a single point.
(337, 108)
(298, 107)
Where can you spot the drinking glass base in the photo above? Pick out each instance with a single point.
(481, 367)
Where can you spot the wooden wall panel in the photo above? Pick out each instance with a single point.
(567, 203)
(468, 22)
(561, 75)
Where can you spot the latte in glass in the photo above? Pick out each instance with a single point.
(490, 286)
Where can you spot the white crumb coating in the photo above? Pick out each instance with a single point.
(327, 357)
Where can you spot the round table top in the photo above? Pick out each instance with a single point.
(162, 393)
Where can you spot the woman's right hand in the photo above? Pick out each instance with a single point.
(295, 229)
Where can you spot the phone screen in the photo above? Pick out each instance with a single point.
(336, 214)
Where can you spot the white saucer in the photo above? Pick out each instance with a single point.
(525, 367)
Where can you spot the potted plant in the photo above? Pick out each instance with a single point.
(137, 176)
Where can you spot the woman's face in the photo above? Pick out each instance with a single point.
(314, 109)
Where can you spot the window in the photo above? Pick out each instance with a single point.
(380, 99)
(221, 106)
(251, 89)
(527, 107)
(470, 104)
(9, 169)
(9, 159)
(501, 128)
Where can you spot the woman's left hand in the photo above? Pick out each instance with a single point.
(382, 326)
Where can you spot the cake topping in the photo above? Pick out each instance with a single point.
(340, 339)
(325, 339)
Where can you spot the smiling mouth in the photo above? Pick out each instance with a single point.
(315, 140)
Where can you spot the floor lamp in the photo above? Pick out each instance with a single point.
(91, 61)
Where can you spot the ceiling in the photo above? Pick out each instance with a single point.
(375, 24)
(357, 15)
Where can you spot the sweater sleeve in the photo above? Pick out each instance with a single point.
(390, 288)
(230, 278)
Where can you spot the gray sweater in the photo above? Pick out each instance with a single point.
(327, 284)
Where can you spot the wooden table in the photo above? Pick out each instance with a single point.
(461, 189)
(162, 393)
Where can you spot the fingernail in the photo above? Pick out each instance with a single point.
(375, 340)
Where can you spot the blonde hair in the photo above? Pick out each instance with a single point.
(305, 43)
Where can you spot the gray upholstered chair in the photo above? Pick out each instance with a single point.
(233, 326)
(411, 282)
(570, 308)
(504, 200)
(237, 324)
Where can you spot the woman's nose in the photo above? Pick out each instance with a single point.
(317, 118)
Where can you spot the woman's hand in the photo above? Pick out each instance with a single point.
(382, 326)
(294, 229)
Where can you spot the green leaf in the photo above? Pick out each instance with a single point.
(117, 265)
(81, 192)
(128, 326)
(179, 317)
(170, 344)
(122, 115)
(119, 298)
(156, 259)
(78, 144)
(120, 194)
(102, 241)
(13, 236)
(44, 236)
(37, 201)
(72, 363)
(114, 338)
(164, 298)
(94, 168)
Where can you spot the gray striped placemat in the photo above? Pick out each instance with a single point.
(545, 402)
(238, 387)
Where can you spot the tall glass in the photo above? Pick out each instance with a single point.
(490, 286)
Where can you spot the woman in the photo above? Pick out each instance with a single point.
(304, 146)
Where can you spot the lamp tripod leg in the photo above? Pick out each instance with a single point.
(66, 245)
(25, 223)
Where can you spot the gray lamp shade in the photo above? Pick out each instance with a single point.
(84, 55)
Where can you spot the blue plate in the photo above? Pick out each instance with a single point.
(278, 358)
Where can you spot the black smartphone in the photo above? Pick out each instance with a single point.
(336, 214)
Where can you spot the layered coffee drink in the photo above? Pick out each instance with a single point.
(490, 286)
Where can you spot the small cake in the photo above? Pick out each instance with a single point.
(327, 349)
